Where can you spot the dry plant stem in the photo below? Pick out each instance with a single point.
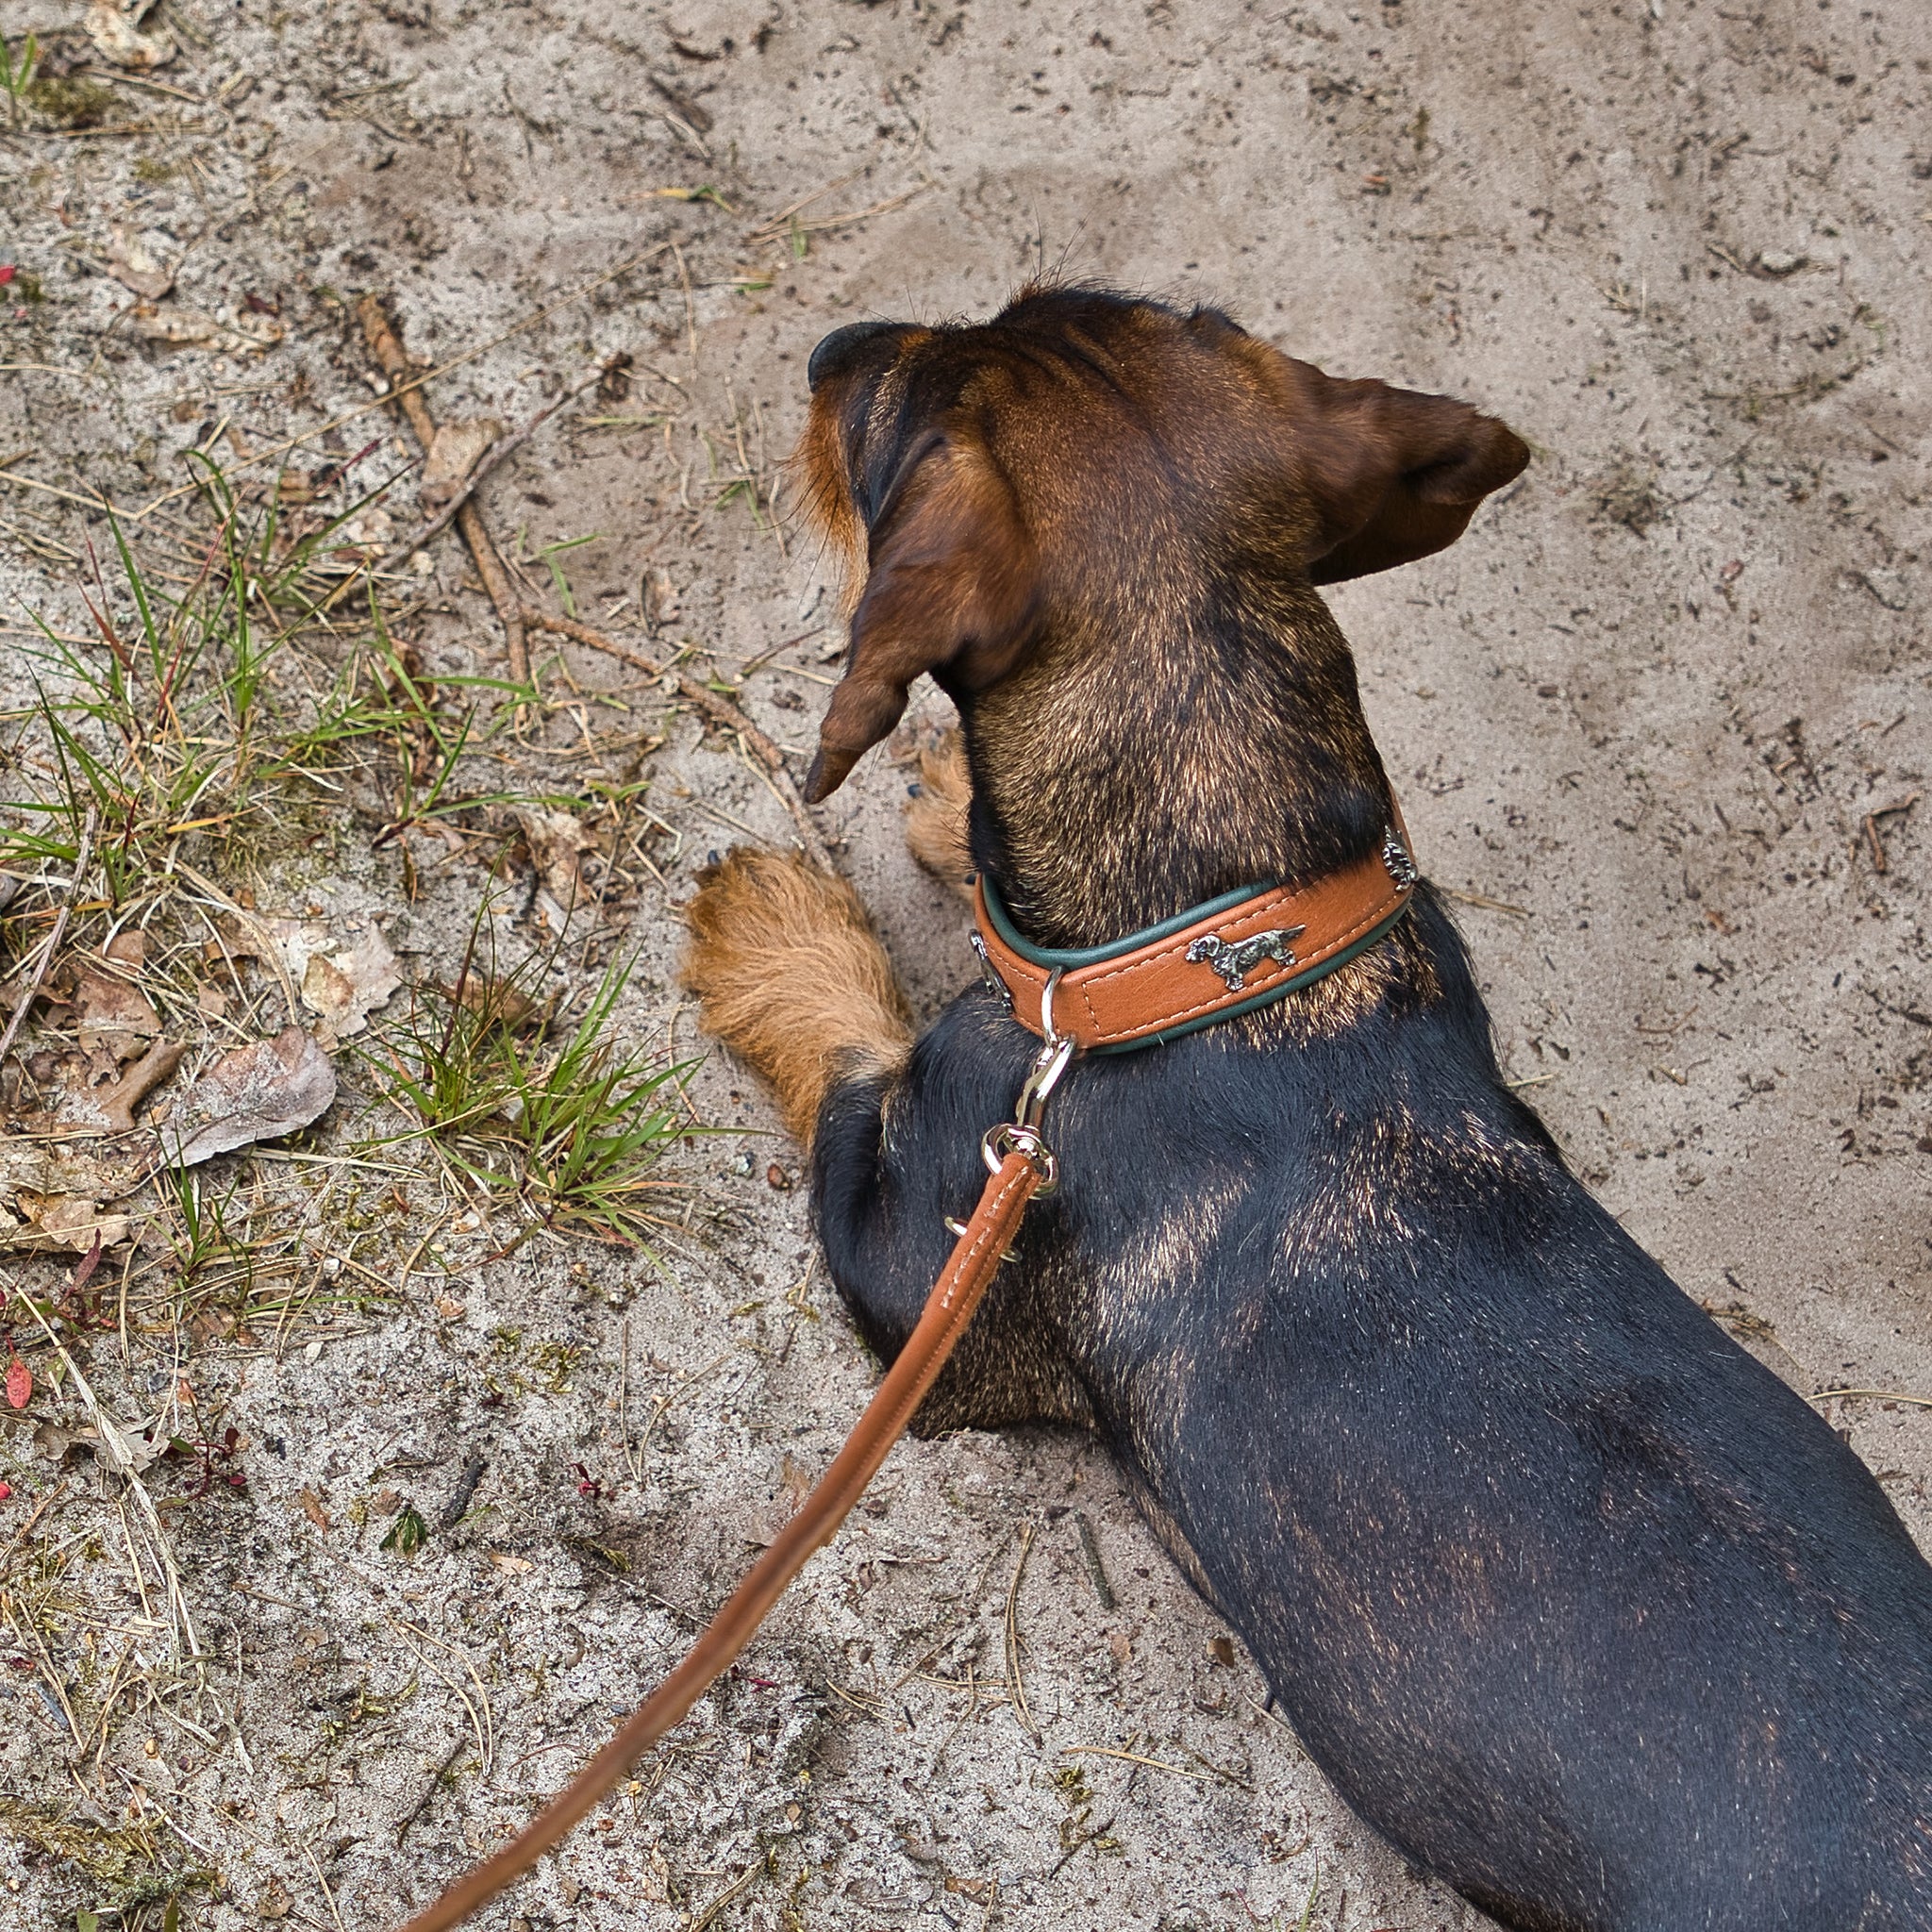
(265, 939)
(730, 1893)
(24, 1627)
(483, 1724)
(421, 1804)
(716, 706)
(82, 853)
(666, 1404)
(121, 1458)
(387, 347)
(1132, 1757)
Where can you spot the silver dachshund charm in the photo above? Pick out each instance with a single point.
(1235, 962)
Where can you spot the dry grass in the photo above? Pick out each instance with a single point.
(249, 702)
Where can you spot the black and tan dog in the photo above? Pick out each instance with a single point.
(1573, 1601)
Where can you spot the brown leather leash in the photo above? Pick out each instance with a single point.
(1018, 1173)
(1222, 958)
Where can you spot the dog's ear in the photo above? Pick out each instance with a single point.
(1394, 475)
(953, 586)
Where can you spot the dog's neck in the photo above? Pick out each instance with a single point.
(1128, 774)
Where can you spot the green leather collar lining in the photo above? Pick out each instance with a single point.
(1071, 957)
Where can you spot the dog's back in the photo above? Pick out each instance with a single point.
(1570, 1596)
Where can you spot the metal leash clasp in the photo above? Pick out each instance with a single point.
(1022, 1134)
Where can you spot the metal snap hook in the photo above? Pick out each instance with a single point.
(1022, 1134)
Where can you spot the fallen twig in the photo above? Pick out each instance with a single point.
(421, 1804)
(1090, 1546)
(469, 354)
(730, 1893)
(117, 1103)
(1021, 1709)
(492, 459)
(458, 1503)
(387, 347)
(1879, 862)
(716, 706)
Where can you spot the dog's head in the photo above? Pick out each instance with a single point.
(1006, 480)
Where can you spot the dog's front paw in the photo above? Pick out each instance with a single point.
(936, 816)
(790, 976)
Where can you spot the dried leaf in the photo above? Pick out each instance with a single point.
(456, 451)
(115, 30)
(111, 1016)
(20, 1384)
(136, 266)
(661, 602)
(498, 1001)
(556, 839)
(193, 327)
(61, 1224)
(48, 1196)
(311, 1507)
(344, 986)
(257, 1093)
(84, 1271)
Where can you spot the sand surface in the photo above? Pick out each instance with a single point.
(1639, 718)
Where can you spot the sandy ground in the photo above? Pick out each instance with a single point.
(1639, 717)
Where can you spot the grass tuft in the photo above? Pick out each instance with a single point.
(564, 1121)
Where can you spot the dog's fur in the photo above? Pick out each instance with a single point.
(1574, 1600)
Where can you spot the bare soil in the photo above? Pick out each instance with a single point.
(1642, 719)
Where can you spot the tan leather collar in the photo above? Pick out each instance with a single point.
(1224, 957)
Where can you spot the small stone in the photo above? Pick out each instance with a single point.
(1778, 261)
(1888, 585)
